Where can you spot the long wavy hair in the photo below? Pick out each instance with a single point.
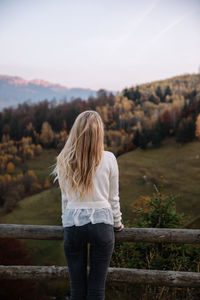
(77, 162)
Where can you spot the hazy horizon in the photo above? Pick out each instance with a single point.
(92, 44)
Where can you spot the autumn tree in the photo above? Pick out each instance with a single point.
(47, 135)
(165, 119)
(197, 129)
(46, 184)
(30, 181)
(10, 167)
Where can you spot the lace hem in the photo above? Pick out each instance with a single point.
(81, 216)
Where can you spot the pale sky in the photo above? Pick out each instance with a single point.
(108, 44)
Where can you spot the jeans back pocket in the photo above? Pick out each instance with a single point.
(105, 234)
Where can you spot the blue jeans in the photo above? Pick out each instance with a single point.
(102, 240)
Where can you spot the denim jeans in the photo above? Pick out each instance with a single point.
(102, 240)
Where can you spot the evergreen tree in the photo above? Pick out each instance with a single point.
(144, 138)
(161, 211)
(191, 129)
(167, 91)
(157, 134)
(137, 93)
(157, 211)
(136, 138)
(125, 93)
(181, 132)
(153, 99)
(192, 96)
(131, 93)
(159, 93)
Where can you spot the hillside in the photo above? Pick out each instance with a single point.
(178, 84)
(179, 166)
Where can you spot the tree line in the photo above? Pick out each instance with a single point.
(131, 118)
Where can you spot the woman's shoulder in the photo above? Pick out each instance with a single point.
(109, 154)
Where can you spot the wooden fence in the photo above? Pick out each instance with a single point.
(154, 235)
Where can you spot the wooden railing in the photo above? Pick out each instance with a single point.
(154, 277)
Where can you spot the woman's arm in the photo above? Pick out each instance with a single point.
(114, 193)
(64, 199)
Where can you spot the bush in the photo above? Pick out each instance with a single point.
(159, 211)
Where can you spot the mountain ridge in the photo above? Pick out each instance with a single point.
(15, 90)
(37, 81)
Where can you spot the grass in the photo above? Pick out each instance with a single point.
(40, 209)
(42, 164)
(179, 167)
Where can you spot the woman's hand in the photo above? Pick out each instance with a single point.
(120, 228)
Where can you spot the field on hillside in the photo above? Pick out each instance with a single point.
(40, 209)
(179, 165)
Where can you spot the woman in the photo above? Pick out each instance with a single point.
(88, 178)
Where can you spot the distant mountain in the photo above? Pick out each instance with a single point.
(14, 90)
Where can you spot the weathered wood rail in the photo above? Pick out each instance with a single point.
(154, 235)
(120, 275)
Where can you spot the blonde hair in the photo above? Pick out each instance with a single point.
(77, 162)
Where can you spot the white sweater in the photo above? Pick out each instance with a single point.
(106, 189)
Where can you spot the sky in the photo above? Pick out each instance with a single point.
(95, 44)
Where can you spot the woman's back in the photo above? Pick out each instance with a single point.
(104, 205)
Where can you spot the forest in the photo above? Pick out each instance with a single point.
(141, 116)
